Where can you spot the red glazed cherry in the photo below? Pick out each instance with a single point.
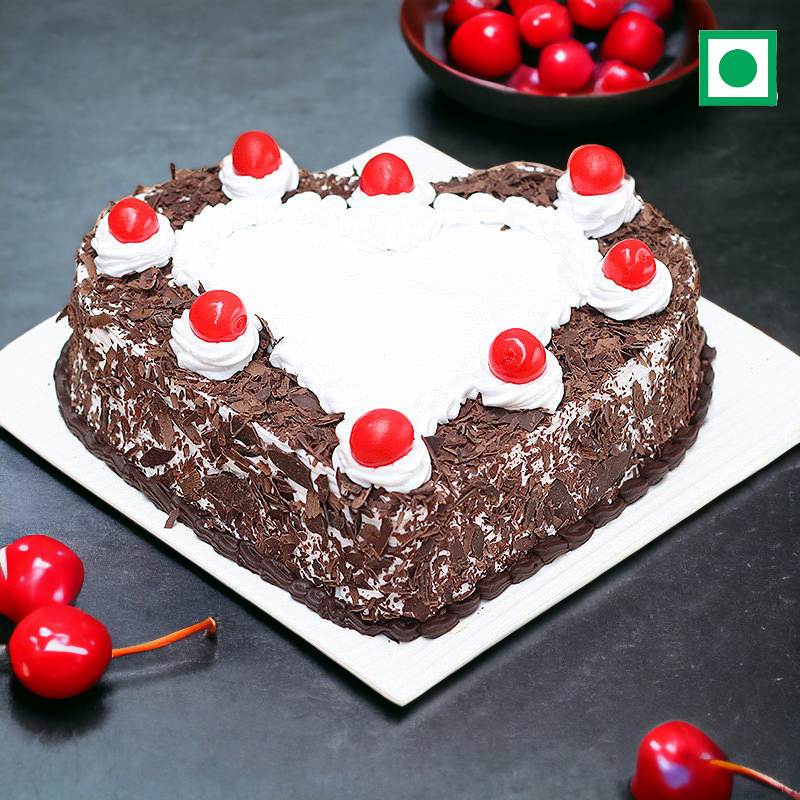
(517, 356)
(595, 169)
(256, 154)
(38, 571)
(381, 437)
(132, 220)
(657, 10)
(634, 39)
(487, 45)
(461, 10)
(60, 651)
(617, 76)
(630, 264)
(386, 173)
(565, 67)
(594, 14)
(525, 79)
(673, 764)
(677, 761)
(218, 316)
(544, 24)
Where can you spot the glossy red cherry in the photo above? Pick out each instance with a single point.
(596, 15)
(630, 264)
(381, 437)
(634, 39)
(673, 764)
(60, 651)
(617, 76)
(487, 45)
(657, 10)
(386, 173)
(132, 220)
(525, 79)
(594, 169)
(218, 316)
(461, 10)
(36, 571)
(677, 761)
(544, 24)
(256, 154)
(565, 67)
(517, 356)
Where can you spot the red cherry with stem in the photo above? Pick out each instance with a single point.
(60, 651)
(256, 154)
(381, 437)
(386, 173)
(525, 79)
(657, 10)
(630, 264)
(36, 571)
(544, 24)
(565, 67)
(461, 10)
(595, 169)
(677, 761)
(132, 220)
(596, 15)
(517, 356)
(487, 45)
(617, 76)
(218, 316)
(634, 39)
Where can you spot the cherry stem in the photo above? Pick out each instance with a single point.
(208, 625)
(738, 769)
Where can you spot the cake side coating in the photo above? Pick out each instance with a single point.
(246, 462)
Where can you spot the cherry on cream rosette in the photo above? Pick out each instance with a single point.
(132, 237)
(386, 180)
(519, 374)
(630, 282)
(381, 448)
(596, 192)
(257, 167)
(215, 337)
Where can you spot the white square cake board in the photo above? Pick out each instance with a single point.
(732, 445)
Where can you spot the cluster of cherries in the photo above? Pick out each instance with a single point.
(56, 650)
(548, 47)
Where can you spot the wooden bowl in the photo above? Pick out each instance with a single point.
(424, 33)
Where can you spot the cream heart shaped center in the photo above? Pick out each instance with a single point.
(394, 305)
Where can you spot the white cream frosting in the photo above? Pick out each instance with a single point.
(404, 475)
(401, 320)
(284, 179)
(116, 258)
(619, 303)
(422, 194)
(545, 392)
(216, 360)
(599, 214)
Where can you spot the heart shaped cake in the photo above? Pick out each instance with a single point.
(389, 397)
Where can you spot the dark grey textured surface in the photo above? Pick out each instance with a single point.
(702, 625)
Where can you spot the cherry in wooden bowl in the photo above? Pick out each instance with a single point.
(425, 34)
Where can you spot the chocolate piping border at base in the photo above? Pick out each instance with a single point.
(321, 600)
